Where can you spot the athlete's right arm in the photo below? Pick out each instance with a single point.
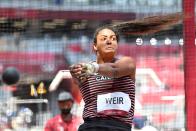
(122, 67)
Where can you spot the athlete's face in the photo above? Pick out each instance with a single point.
(106, 42)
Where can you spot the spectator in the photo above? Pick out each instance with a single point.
(65, 121)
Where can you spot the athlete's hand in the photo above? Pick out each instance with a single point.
(77, 71)
(90, 68)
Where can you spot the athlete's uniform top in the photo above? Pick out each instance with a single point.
(108, 98)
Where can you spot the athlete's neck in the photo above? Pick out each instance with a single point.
(105, 60)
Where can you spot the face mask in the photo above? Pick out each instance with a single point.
(66, 111)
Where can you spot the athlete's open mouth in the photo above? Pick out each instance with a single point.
(110, 48)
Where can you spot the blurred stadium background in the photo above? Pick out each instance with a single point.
(40, 37)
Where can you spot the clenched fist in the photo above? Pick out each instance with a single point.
(82, 70)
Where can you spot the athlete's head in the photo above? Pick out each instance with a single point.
(105, 42)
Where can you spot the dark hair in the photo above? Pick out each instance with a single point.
(105, 27)
(150, 24)
(145, 26)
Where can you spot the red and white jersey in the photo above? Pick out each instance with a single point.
(57, 124)
(109, 98)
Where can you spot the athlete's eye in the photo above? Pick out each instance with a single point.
(103, 38)
(113, 38)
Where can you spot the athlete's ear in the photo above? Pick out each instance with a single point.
(95, 47)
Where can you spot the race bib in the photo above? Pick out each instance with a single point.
(116, 103)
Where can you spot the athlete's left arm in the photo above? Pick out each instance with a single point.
(123, 67)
